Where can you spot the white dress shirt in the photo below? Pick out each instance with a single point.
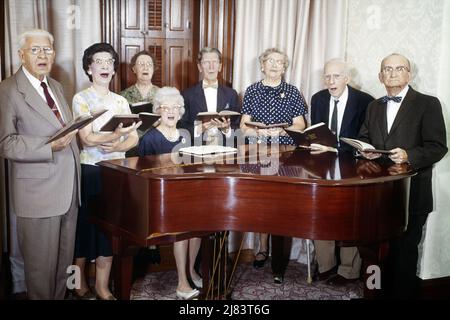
(211, 97)
(211, 104)
(36, 83)
(393, 107)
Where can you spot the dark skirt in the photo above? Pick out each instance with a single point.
(90, 243)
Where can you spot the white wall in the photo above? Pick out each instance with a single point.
(421, 31)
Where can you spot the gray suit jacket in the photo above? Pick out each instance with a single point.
(41, 182)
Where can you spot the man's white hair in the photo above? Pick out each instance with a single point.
(342, 62)
(34, 33)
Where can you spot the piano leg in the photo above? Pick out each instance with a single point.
(281, 250)
(122, 269)
(374, 260)
(206, 265)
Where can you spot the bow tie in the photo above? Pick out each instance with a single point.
(213, 85)
(385, 99)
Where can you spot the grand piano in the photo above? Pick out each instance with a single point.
(166, 198)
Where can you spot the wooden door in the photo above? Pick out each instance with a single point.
(163, 27)
(173, 30)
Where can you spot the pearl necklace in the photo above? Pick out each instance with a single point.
(171, 137)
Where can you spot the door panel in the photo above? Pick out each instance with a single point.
(133, 18)
(156, 48)
(130, 46)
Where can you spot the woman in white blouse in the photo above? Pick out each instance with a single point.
(100, 61)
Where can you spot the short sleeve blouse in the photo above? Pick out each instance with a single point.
(89, 101)
(271, 105)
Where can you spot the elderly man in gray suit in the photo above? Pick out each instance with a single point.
(44, 178)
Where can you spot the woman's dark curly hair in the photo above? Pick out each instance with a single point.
(96, 48)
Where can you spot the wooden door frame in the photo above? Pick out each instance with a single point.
(110, 28)
(213, 25)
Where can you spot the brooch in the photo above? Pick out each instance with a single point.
(282, 95)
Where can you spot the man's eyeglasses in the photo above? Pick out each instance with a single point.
(399, 69)
(37, 50)
(146, 64)
(170, 108)
(275, 62)
(210, 62)
(100, 62)
(335, 77)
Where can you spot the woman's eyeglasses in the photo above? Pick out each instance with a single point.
(100, 62)
(144, 64)
(170, 108)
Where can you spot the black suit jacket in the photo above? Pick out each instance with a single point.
(195, 102)
(418, 128)
(354, 112)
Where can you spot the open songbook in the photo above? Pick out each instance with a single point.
(260, 125)
(76, 123)
(208, 150)
(363, 146)
(208, 116)
(318, 133)
(148, 119)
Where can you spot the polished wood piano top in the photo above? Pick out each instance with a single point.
(291, 166)
(324, 196)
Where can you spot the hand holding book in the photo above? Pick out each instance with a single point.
(75, 124)
(318, 134)
(208, 116)
(147, 119)
(364, 147)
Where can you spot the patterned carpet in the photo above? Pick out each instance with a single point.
(252, 284)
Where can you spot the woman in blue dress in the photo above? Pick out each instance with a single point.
(272, 101)
(169, 103)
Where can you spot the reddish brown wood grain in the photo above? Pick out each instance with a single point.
(327, 197)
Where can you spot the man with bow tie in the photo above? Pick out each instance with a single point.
(411, 125)
(209, 96)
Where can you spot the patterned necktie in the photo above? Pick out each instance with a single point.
(333, 125)
(210, 85)
(385, 99)
(51, 103)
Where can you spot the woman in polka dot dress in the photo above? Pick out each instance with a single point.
(272, 101)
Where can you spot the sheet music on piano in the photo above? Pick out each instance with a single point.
(208, 150)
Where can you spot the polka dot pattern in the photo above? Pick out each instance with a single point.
(271, 105)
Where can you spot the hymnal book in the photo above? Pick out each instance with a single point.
(318, 133)
(363, 146)
(208, 116)
(148, 119)
(77, 123)
(261, 125)
(127, 120)
(207, 150)
(139, 107)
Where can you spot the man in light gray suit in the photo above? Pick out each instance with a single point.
(45, 178)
